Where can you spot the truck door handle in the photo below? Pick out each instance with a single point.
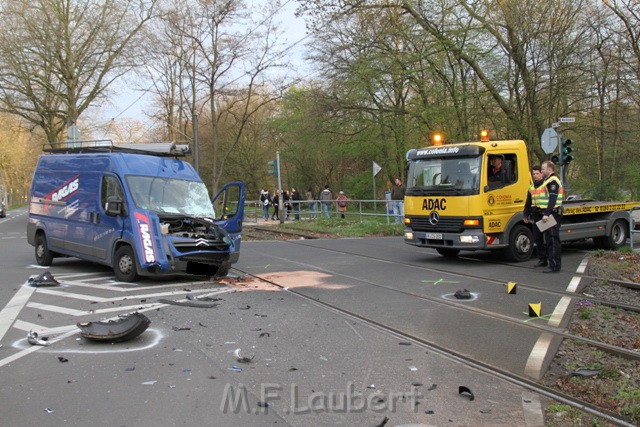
(95, 217)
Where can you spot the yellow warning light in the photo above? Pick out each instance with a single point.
(437, 138)
(484, 135)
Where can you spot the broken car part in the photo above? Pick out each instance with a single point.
(33, 339)
(126, 327)
(45, 279)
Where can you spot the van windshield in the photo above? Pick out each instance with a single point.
(175, 196)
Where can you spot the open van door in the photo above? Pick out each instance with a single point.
(228, 206)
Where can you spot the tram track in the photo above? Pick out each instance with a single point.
(503, 373)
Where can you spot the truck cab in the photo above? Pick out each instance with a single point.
(454, 202)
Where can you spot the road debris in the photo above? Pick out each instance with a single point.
(33, 339)
(62, 359)
(124, 328)
(462, 294)
(45, 279)
(465, 392)
(242, 359)
(194, 303)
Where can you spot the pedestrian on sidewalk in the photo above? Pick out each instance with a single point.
(265, 202)
(275, 201)
(325, 199)
(311, 199)
(296, 199)
(397, 201)
(342, 203)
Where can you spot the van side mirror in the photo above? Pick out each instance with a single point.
(114, 206)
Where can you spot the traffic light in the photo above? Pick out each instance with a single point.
(273, 167)
(555, 159)
(565, 152)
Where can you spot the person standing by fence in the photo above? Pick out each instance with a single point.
(296, 200)
(325, 199)
(311, 199)
(275, 200)
(397, 201)
(265, 201)
(342, 203)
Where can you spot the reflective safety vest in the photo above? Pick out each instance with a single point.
(540, 196)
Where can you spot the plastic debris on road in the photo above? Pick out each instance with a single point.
(45, 279)
(125, 328)
(242, 359)
(33, 339)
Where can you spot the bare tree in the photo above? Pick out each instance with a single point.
(62, 56)
(227, 59)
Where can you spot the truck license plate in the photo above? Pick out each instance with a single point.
(434, 236)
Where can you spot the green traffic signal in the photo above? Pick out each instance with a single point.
(273, 167)
(565, 152)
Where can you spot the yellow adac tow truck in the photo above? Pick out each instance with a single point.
(452, 205)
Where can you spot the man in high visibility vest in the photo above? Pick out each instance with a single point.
(551, 204)
(533, 214)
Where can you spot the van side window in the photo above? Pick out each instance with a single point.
(110, 187)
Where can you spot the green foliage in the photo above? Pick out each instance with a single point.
(556, 407)
(585, 314)
(349, 227)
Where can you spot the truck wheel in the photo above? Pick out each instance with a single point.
(449, 253)
(520, 244)
(617, 236)
(124, 265)
(44, 256)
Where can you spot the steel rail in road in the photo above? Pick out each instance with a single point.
(486, 368)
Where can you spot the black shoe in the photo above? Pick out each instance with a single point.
(541, 263)
(551, 270)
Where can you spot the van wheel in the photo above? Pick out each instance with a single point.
(520, 244)
(124, 265)
(44, 256)
(616, 238)
(449, 253)
(223, 270)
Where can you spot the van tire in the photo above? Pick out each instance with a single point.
(520, 244)
(223, 270)
(124, 264)
(44, 256)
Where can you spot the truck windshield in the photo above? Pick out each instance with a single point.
(175, 196)
(444, 175)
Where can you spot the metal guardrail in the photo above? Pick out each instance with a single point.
(361, 208)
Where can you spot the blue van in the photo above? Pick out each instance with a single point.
(136, 208)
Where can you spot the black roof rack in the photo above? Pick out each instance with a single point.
(163, 149)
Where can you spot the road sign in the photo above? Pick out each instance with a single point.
(549, 140)
(555, 125)
(376, 168)
(567, 119)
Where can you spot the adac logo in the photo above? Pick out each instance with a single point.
(491, 201)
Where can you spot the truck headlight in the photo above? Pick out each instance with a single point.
(469, 239)
(408, 235)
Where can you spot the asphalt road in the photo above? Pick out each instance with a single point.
(310, 364)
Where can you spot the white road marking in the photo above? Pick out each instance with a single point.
(32, 349)
(121, 298)
(10, 312)
(74, 312)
